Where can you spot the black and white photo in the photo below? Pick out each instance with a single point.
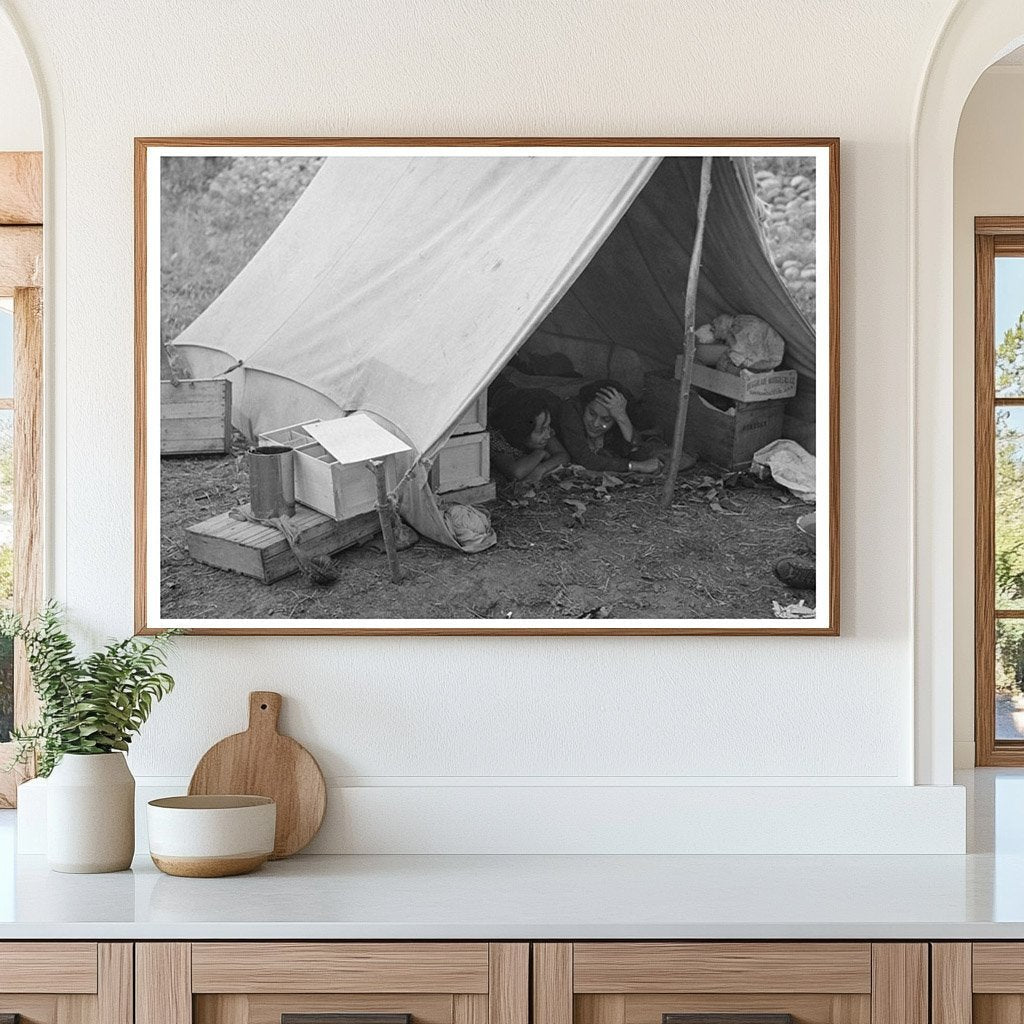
(479, 386)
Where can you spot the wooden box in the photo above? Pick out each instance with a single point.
(727, 438)
(339, 490)
(464, 461)
(474, 418)
(263, 552)
(730, 438)
(743, 387)
(195, 417)
(481, 494)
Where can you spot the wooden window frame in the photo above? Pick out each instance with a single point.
(993, 236)
(21, 278)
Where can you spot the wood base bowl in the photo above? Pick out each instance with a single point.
(211, 836)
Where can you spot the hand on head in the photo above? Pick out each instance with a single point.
(613, 400)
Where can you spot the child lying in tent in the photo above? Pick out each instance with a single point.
(598, 434)
(523, 418)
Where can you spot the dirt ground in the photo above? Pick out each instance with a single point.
(614, 553)
(573, 547)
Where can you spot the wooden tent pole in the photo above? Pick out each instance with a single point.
(388, 515)
(689, 328)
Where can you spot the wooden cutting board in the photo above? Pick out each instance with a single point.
(262, 762)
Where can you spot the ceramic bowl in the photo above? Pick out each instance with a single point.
(211, 836)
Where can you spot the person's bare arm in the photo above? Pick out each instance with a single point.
(519, 468)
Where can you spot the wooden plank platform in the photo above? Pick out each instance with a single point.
(263, 552)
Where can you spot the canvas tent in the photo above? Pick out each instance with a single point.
(400, 286)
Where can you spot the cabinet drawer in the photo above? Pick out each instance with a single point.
(730, 983)
(980, 982)
(339, 967)
(64, 967)
(633, 967)
(66, 982)
(332, 983)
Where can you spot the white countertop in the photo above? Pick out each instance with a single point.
(517, 897)
(977, 896)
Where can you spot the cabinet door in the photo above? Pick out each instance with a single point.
(730, 983)
(981, 982)
(332, 983)
(66, 982)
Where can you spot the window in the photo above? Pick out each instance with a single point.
(21, 373)
(999, 490)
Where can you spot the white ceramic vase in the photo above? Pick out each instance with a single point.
(90, 814)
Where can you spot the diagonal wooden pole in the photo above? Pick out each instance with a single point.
(689, 328)
(388, 515)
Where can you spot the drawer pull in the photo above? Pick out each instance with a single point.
(727, 1018)
(339, 1018)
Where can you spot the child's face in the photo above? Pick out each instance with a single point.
(596, 418)
(541, 431)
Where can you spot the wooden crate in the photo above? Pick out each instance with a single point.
(726, 438)
(195, 417)
(464, 461)
(339, 490)
(474, 419)
(481, 494)
(743, 387)
(730, 438)
(262, 552)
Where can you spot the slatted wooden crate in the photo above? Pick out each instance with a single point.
(743, 387)
(464, 461)
(262, 552)
(474, 419)
(336, 489)
(195, 417)
(726, 438)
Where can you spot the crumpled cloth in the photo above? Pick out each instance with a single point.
(754, 344)
(791, 466)
(471, 527)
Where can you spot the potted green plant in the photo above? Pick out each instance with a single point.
(90, 708)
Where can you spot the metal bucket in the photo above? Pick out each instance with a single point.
(271, 481)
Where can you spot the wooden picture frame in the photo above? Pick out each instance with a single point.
(162, 601)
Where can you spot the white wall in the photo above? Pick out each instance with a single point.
(431, 716)
(21, 127)
(987, 182)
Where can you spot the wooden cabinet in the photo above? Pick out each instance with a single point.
(263, 982)
(494, 983)
(977, 983)
(759, 982)
(66, 982)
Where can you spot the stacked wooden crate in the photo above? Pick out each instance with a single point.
(195, 417)
(336, 489)
(726, 437)
(337, 505)
(461, 473)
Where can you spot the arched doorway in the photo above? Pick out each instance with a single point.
(977, 33)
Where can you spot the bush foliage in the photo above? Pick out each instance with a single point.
(90, 705)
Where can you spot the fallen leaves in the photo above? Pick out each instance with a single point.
(800, 610)
(579, 509)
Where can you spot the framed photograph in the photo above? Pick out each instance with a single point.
(487, 386)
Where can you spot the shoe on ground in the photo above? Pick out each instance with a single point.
(796, 573)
